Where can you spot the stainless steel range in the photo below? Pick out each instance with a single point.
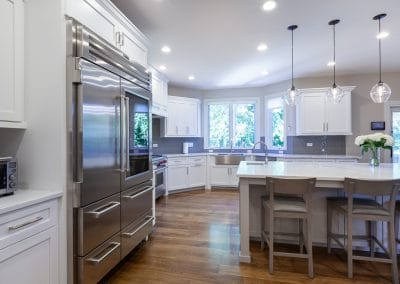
(110, 196)
(160, 175)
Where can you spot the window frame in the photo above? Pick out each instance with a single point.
(231, 102)
(268, 122)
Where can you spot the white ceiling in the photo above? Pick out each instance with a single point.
(216, 40)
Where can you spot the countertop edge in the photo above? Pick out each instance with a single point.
(26, 197)
(272, 155)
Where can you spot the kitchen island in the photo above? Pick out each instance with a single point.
(330, 178)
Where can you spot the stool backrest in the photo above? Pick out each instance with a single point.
(372, 188)
(291, 186)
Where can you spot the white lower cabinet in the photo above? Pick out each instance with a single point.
(29, 245)
(32, 260)
(224, 176)
(186, 173)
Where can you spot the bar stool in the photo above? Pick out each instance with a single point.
(369, 210)
(288, 198)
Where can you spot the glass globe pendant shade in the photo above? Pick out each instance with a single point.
(335, 94)
(291, 96)
(380, 93)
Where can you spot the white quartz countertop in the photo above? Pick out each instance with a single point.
(273, 155)
(321, 171)
(26, 197)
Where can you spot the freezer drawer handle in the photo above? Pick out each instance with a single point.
(113, 246)
(146, 189)
(20, 226)
(131, 234)
(104, 209)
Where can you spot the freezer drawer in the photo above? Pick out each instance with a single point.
(97, 222)
(135, 202)
(132, 235)
(98, 263)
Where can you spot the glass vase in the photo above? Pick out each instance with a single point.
(375, 157)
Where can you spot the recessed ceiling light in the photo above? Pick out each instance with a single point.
(191, 78)
(331, 63)
(162, 67)
(382, 35)
(264, 72)
(166, 49)
(269, 5)
(262, 47)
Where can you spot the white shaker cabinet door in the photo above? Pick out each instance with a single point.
(197, 175)
(11, 60)
(338, 116)
(177, 177)
(220, 176)
(311, 114)
(33, 260)
(136, 51)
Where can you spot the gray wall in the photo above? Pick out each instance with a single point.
(363, 109)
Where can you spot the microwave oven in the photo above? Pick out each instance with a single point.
(8, 176)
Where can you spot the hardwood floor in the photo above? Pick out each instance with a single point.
(196, 240)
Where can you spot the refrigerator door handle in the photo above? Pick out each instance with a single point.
(123, 134)
(78, 175)
(127, 159)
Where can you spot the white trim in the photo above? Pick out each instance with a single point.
(230, 101)
(388, 124)
(268, 124)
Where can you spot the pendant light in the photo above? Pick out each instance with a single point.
(380, 93)
(291, 96)
(335, 93)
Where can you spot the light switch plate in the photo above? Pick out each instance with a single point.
(309, 144)
(190, 144)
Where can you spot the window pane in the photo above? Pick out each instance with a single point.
(218, 126)
(278, 128)
(243, 125)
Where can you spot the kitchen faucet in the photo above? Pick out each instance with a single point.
(266, 149)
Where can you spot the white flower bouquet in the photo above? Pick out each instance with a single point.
(374, 142)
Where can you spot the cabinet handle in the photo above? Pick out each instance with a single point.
(133, 196)
(131, 234)
(187, 170)
(176, 129)
(327, 127)
(95, 261)
(187, 129)
(103, 209)
(20, 226)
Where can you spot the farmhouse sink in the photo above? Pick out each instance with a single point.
(236, 158)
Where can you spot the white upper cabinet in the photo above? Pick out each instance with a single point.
(160, 93)
(316, 115)
(184, 118)
(106, 20)
(12, 64)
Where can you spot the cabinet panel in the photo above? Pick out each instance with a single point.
(311, 113)
(338, 116)
(11, 60)
(136, 51)
(33, 260)
(197, 175)
(220, 176)
(177, 177)
(234, 178)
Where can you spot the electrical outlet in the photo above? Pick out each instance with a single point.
(155, 145)
(309, 144)
(190, 144)
(210, 151)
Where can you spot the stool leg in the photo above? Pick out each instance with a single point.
(393, 253)
(301, 236)
(328, 227)
(309, 247)
(373, 232)
(396, 227)
(262, 224)
(349, 248)
(271, 242)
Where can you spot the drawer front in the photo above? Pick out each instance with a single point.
(93, 267)
(135, 203)
(97, 222)
(23, 223)
(197, 160)
(132, 235)
(177, 161)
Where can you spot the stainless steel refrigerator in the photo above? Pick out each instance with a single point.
(110, 195)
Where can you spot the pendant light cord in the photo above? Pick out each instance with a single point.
(292, 63)
(334, 55)
(380, 53)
